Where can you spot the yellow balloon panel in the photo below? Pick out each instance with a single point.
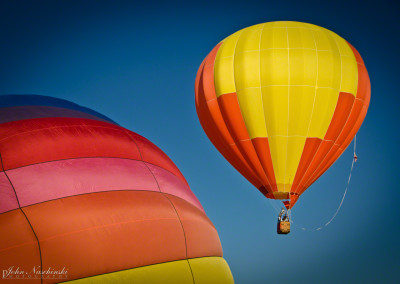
(301, 104)
(223, 73)
(329, 70)
(205, 270)
(251, 106)
(303, 67)
(274, 67)
(223, 68)
(247, 70)
(211, 270)
(294, 150)
(323, 40)
(168, 273)
(279, 146)
(349, 74)
(300, 38)
(275, 101)
(273, 38)
(324, 107)
(248, 40)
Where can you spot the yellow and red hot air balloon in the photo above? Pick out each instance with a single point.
(281, 101)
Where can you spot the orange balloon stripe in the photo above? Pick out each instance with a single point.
(243, 168)
(357, 126)
(18, 245)
(221, 136)
(103, 235)
(208, 78)
(232, 115)
(355, 113)
(364, 86)
(319, 155)
(320, 171)
(293, 200)
(310, 148)
(91, 242)
(201, 236)
(213, 123)
(261, 145)
(235, 156)
(248, 147)
(203, 112)
(340, 116)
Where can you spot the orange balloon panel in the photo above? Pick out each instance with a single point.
(281, 101)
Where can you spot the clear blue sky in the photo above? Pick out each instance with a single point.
(136, 63)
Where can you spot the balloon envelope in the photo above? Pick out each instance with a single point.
(281, 101)
(82, 195)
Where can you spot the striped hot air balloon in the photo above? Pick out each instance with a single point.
(281, 101)
(86, 200)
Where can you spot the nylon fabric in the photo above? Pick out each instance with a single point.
(207, 270)
(36, 183)
(122, 224)
(292, 83)
(38, 100)
(26, 142)
(97, 198)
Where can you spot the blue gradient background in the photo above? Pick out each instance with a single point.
(136, 63)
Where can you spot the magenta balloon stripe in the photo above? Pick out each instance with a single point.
(58, 179)
(8, 201)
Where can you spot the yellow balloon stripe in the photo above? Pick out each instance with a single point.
(287, 77)
(223, 66)
(205, 270)
(324, 107)
(251, 105)
(210, 270)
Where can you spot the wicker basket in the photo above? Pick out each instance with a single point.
(283, 227)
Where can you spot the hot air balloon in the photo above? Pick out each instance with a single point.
(85, 200)
(281, 101)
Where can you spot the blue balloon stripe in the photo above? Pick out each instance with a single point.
(7, 101)
(9, 114)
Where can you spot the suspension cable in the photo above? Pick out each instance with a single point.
(344, 195)
(273, 205)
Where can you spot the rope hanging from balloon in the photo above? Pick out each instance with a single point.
(344, 195)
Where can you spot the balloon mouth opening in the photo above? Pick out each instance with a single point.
(281, 195)
(278, 195)
(288, 198)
